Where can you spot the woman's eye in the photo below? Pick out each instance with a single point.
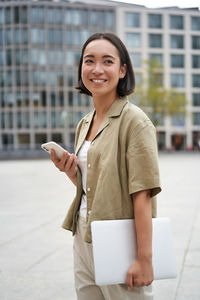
(88, 61)
(108, 61)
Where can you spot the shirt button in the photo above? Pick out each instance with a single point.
(88, 189)
(89, 212)
(89, 165)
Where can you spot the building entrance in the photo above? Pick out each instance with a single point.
(178, 142)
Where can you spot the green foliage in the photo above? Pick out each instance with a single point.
(156, 100)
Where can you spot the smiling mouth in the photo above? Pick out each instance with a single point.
(98, 80)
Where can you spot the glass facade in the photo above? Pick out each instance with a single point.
(133, 40)
(177, 80)
(39, 52)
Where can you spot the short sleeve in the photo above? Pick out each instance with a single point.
(142, 161)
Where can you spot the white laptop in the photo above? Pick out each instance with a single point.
(114, 249)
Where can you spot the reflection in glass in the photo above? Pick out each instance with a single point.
(10, 99)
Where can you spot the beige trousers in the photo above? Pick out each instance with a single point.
(86, 288)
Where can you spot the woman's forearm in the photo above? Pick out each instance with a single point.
(143, 223)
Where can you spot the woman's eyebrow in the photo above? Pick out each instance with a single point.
(104, 56)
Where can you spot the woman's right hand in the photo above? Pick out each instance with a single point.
(67, 164)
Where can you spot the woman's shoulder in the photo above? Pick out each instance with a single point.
(135, 116)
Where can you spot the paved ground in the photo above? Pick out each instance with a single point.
(36, 254)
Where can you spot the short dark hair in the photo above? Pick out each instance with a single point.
(125, 85)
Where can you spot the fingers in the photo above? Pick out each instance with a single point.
(67, 163)
(129, 280)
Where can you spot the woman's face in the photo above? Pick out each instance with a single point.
(101, 68)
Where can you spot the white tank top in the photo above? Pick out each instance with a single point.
(82, 162)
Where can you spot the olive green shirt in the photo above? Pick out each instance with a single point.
(122, 159)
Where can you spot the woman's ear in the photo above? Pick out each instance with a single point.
(122, 72)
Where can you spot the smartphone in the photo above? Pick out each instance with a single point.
(52, 145)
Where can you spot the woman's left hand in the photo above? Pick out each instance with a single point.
(140, 273)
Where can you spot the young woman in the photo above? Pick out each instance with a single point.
(115, 168)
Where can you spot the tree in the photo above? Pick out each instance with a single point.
(156, 100)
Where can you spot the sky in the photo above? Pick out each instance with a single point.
(165, 3)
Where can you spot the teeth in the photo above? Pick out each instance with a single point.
(98, 80)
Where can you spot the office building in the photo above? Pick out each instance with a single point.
(40, 44)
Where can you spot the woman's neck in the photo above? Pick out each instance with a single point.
(102, 105)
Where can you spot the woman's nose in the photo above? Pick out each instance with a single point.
(97, 69)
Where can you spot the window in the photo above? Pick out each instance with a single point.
(133, 40)
(53, 119)
(70, 98)
(2, 58)
(136, 59)
(158, 57)
(16, 15)
(7, 15)
(176, 22)
(1, 37)
(109, 19)
(196, 61)
(195, 23)
(8, 37)
(2, 79)
(37, 36)
(177, 41)
(23, 140)
(195, 42)
(1, 16)
(53, 99)
(69, 58)
(70, 78)
(7, 141)
(8, 57)
(196, 99)
(177, 80)
(55, 37)
(155, 40)
(132, 19)
(24, 15)
(196, 80)
(177, 61)
(196, 118)
(97, 18)
(178, 120)
(37, 15)
(155, 21)
(9, 78)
